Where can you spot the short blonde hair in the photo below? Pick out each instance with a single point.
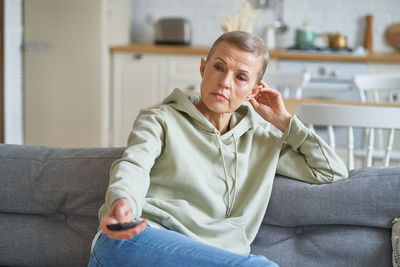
(247, 42)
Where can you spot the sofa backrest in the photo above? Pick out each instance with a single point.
(49, 199)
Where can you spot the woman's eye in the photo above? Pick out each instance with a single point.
(241, 78)
(218, 67)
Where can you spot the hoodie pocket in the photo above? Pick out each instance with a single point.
(164, 209)
(179, 216)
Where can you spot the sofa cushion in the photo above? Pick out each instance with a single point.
(369, 197)
(49, 201)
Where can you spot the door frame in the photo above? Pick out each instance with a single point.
(1, 71)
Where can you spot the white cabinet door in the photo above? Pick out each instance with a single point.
(144, 80)
(183, 72)
(376, 68)
(137, 84)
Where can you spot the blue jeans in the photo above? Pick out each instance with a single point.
(160, 247)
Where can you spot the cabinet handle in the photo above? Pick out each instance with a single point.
(191, 87)
(34, 47)
(335, 74)
(322, 71)
(138, 56)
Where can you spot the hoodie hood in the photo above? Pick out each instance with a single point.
(241, 120)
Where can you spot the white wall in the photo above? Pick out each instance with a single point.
(345, 16)
(13, 93)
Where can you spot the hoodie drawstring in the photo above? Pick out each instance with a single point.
(236, 172)
(231, 196)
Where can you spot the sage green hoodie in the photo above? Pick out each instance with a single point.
(178, 171)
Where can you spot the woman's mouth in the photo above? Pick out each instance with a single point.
(220, 96)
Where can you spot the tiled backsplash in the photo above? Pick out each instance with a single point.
(206, 16)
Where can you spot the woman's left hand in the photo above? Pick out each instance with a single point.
(269, 104)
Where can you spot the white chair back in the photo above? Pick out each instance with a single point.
(378, 88)
(287, 82)
(354, 116)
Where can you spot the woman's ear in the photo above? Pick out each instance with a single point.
(202, 66)
(254, 91)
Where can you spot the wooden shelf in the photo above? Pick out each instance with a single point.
(161, 49)
(377, 57)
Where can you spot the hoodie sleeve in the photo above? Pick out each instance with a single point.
(130, 175)
(305, 156)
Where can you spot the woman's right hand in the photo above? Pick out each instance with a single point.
(121, 212)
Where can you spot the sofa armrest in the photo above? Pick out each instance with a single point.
(370, 197)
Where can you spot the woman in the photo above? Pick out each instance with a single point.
(199, 171)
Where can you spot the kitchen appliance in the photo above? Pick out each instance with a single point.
(305, 38)
(337, 41)
(176, 31)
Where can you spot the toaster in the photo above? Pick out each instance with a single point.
(172, 31)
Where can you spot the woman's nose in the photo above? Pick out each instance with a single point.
(225, 80)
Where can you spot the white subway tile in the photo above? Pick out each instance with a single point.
(206, 16)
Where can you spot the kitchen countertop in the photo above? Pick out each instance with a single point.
(375, 57)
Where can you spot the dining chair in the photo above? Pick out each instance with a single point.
(378, 88)
(352, 117)
(287, 82)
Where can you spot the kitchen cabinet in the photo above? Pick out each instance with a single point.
(143, 80)
(136, 83)
(377, 68)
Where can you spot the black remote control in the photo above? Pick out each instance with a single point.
(121, 226)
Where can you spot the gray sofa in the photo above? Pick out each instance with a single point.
(49, 198)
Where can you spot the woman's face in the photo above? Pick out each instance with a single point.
(229, 78)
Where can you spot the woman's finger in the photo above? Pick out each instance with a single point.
(129, 233)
